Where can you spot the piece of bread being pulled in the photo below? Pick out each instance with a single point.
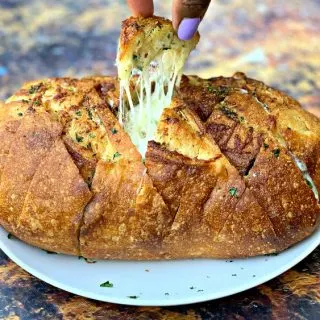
(151, 58)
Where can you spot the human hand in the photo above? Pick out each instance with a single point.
(186, 14)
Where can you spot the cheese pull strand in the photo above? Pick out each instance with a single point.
(154, 88)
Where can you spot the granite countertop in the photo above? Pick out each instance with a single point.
(275, 41)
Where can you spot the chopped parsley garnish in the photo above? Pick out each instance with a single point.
(116, 155)
(229, 113)
(32, 90)
(200, 290)
(10, 236)
(35, 88)
(25, 101)
(276, 152)
(210, 89)
(241, 119)
(134, 57)
(221, 92)
(36, 103)
(20, 114)
(114, 131)
(89, 182)
(133, 297)
(79, 138)
(90, 115)
(92, 135)
(106, 284)
(234, 274)
(87, 260)
(78, 113)
(309, 183)
(49, 252)
(192, 287)
(166, 294)
(233, 192)
(266, 146)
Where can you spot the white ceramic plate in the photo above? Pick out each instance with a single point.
(160, 283)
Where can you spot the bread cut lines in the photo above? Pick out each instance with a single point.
(303, 168)
(298, 162)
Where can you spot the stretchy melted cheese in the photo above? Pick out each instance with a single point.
(150, 61)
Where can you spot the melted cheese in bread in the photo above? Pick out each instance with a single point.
(151, 61)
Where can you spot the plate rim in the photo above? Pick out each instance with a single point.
(164, 303)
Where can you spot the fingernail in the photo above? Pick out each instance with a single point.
(187, 28)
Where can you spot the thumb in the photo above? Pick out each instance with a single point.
(187, 15)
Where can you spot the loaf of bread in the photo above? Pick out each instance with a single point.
(221, 178)
(233, 170)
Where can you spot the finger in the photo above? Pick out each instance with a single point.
(142, 8)
(187, 15)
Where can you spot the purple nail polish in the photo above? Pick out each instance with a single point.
(187, 28)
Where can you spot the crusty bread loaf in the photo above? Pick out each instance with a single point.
(219, 180)
(233, 169)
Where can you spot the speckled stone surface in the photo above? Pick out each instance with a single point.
(276, 41)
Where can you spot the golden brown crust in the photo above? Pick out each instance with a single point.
(219, 181)
(127, 217)
(53, 207)
(261, 107)
(82, 159)
(270, 172)
(208, 220)
(33, 140)
(248, 231)
(143, 40)
(134, 29)
(277, 183)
